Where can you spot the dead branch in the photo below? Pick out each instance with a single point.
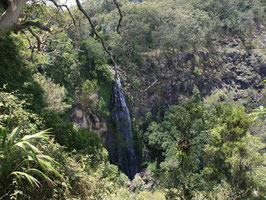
(121, 16)
(147, 88)
(2, 197)
(63, 5)
(98, 36)
(133, 84)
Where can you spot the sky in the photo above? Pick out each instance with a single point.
(68, 2)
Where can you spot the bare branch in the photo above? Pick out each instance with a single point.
(31, 23)
(37, 38)
(121, 16)
(98, 36)
(74, 22)
(2, 197)
(60, 6)
(147, 88)
(129, 79)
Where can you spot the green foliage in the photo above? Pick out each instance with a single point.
(86, 170)
(162, 137)
(89, 94)
(62, 63)
(227, 158)
(192, 153)
(13, 113)
(62, 129)
(178, 144)
(150, 196)
(84, 182)
(19, 157)
(234, 17)
(259, 112)
(56, 100)
(95, 97)
(89, 143)
(105, 93)
(16, 75)
(233, 153)
(84, 141)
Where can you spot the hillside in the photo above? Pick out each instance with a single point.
(132, 100)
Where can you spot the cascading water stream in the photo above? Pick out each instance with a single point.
(120, 138)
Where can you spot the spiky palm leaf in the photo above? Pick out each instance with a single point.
(13, 149)
(33, 181)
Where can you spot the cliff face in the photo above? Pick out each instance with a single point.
(232, 70)
(87, 119)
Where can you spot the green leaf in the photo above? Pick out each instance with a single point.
(33, 181)
(40, 135)
(42, 175)
(12, 137)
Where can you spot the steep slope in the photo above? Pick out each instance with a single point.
(234, 72)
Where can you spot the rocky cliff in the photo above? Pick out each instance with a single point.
(236, 72)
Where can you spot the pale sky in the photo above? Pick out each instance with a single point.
(68, 2)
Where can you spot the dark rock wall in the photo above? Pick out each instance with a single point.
(233, 70)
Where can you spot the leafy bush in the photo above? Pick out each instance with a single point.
(232, 153)
(16, 75)
(54, 94)
(14, 113)
(234, 17)
(19, 158)
(85, 173)
(84, 140)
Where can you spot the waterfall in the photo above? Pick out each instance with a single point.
(120, 138)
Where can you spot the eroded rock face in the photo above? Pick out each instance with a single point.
(236, 72)
(143, 181)
(85, 118)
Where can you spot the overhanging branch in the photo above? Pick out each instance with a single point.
(39, 41)
(31, 23)
(61, 6)
(121, 16)
(98, 36)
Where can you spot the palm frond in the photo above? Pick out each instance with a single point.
(24, 144)
(42, 175)
(50, 159)
(21, 164)
(33, 181)
(41, 135)
(12, 138)
(47, 166)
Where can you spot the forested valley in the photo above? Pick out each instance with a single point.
(132, 99)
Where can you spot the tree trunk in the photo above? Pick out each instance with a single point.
(9, 19)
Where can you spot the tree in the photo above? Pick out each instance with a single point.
(180, 138)
(233, 157)
(10, 17)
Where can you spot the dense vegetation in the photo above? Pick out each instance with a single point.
(202, 147)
